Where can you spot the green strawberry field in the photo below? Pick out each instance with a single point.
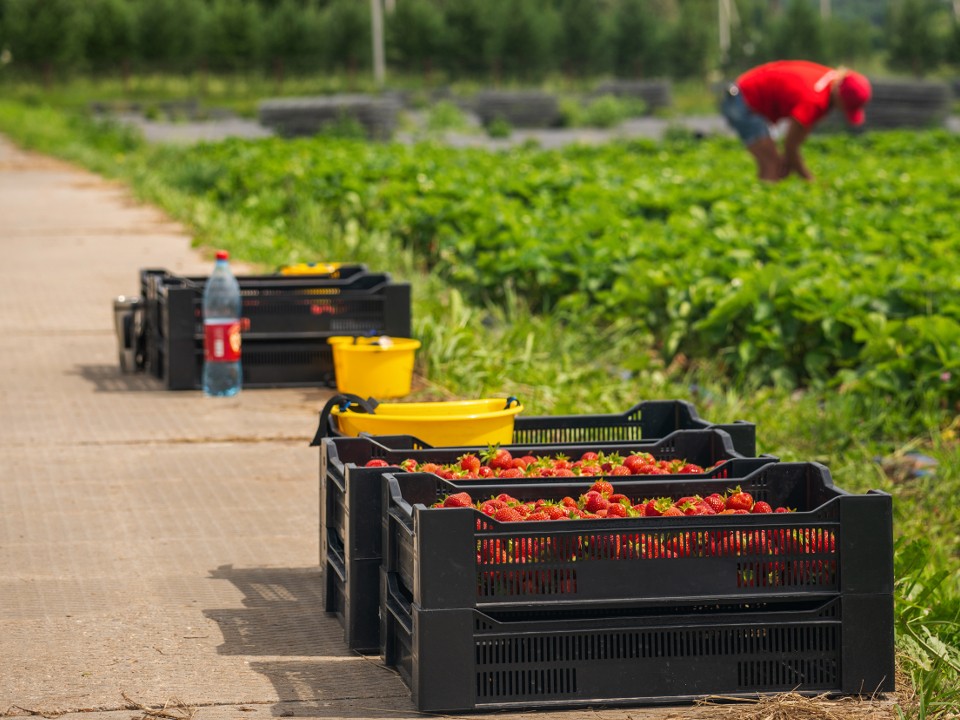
(587, 278)
(849, 283)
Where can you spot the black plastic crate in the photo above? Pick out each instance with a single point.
(647, 420)
(265, 364)
(351, 495)
(292, 315)
(835, 542)
(356, 604)
(464, 659)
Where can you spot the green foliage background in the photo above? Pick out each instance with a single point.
(524, 40)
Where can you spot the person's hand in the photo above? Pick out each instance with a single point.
(785, 169)
(794, 164)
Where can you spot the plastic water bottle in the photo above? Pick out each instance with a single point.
(222, 374)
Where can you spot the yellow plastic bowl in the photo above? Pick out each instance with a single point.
(458, 422)
(378, 367)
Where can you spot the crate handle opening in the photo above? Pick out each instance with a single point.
(343, 401)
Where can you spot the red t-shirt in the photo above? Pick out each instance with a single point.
(788, 88)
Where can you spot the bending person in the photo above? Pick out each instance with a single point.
(802, 91)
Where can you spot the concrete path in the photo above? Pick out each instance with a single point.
(158, 550)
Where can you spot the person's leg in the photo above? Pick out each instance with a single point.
(767, 155)
(754, 132)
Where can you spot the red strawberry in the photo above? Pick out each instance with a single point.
(589, 469)
(594, 501)
(656, 506)
(609, 462)
(603, 487)
(490, 507)
(621, 470)
(672, 512)
(461, 499)
(637, 461)
(470, 463)
(761, 506)
(512, 472)
(617, 510)
(377, 462)
(650, 469)
(431, 468)
(739, 500)
(689, 469)
(556, 512)
(729, 543)
(409, 465)
(498, 457)
(589, 457)
(716, 502)
(681, 545)
(492, 551)
(485, 471)
(507, 514)
(524, 510)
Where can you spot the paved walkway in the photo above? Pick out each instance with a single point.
(156, 548)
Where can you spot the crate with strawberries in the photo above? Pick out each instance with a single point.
(625, 590)
(360, 461)
(350, 494)
(784, 531)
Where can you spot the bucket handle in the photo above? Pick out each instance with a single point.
(344, 401)
(510, 402)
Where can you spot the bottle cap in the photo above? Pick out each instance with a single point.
(222, 255)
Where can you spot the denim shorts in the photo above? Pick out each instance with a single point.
(750, 126)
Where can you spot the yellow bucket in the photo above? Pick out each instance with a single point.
(453, 423)
(321, 268)
(380, 367)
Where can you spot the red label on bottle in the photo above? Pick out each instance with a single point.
(221, 341)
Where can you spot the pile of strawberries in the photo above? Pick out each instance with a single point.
(498, 462)
(602, 501)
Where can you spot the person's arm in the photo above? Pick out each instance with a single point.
(792, 159)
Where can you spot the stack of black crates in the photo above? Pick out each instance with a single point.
(288, 319)
(475, 614)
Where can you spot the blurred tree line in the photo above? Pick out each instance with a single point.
(482, 39)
